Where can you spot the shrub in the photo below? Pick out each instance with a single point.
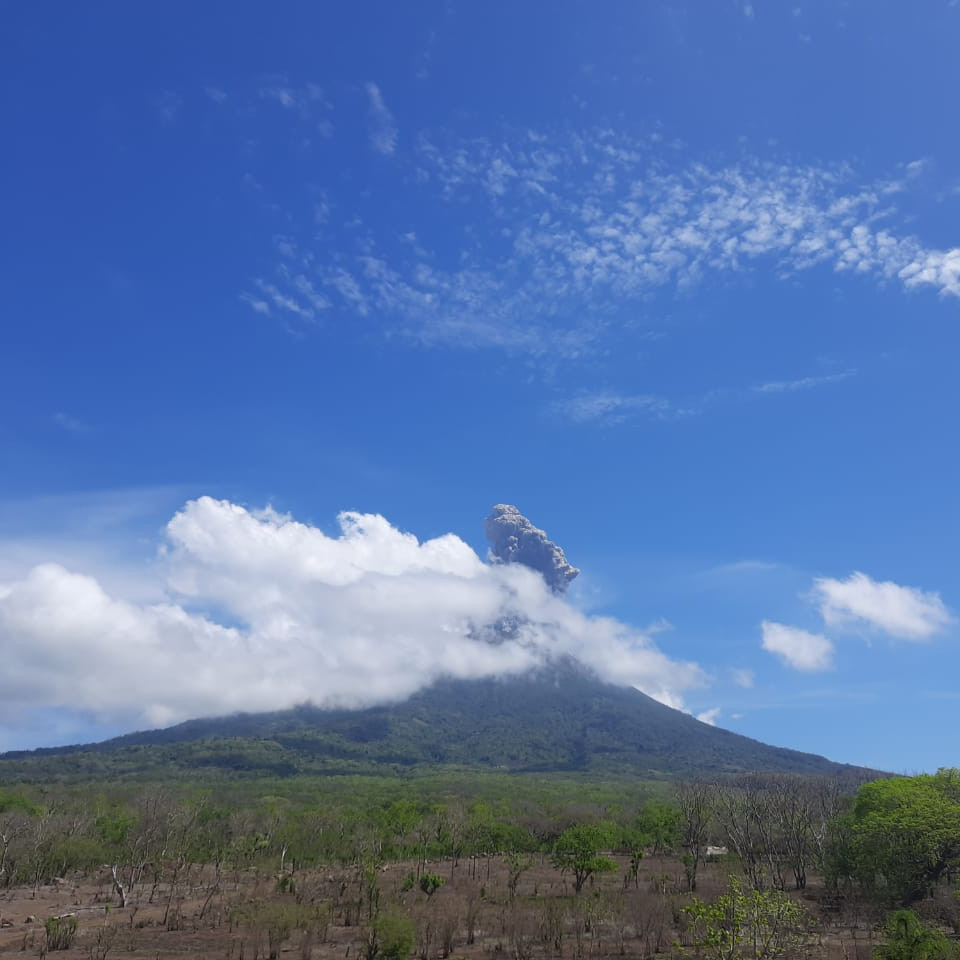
(61, 932)
(430, 883)
(391, 937)
(748, 924)
(909, 938)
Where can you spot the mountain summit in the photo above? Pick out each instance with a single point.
(559, 716)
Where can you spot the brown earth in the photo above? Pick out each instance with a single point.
(325, 913)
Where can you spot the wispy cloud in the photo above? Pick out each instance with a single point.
(383, 128)
(804, 383)
(742, 567)
(70, 423)
(613, 408)
(564, 234)
(906, 613)
(300, 97)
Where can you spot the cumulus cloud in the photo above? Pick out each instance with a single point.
(797, 648)
(906, 613)
(383, 128)
(263, 612)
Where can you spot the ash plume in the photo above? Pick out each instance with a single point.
(514, 539)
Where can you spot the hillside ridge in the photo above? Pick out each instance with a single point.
(558, 719)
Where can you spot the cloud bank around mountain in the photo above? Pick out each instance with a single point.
(263, 612)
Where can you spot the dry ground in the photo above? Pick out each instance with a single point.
(240, 916)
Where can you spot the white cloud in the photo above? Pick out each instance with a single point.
(798, 648)
(936, 268)
(903, 612)
(257, 304)
(579, 228)
(611, 407)
(709, 716)
(303, 98)
(263, 612)
(383, 128)
(804, 383)
(743, 677)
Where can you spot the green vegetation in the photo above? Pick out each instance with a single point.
(391, 936)
(430, 883)
(406, 863)
(562, 723)
(748, 924)
(905, 835)
(909, 938)
(60, 932)
(577, 851)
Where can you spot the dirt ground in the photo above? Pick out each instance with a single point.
(325, 913)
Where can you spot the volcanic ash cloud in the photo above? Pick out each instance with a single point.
(514, 539)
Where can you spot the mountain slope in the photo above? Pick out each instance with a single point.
(561, 719)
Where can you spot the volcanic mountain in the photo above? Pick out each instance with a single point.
(559, 718)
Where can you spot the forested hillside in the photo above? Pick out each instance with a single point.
(560, 720)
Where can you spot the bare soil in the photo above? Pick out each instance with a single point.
(240, 916)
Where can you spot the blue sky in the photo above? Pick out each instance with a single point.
(679, 280)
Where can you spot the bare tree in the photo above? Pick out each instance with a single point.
(693, 799)
(744, 813)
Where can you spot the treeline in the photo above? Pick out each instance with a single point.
(895, 841)
(43, 837)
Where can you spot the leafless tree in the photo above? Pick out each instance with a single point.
(693, 799)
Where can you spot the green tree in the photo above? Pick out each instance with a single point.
(747, 924)
(658, 827)
(390, 936)
(909, 938)
(905, 834)
(577, 850)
